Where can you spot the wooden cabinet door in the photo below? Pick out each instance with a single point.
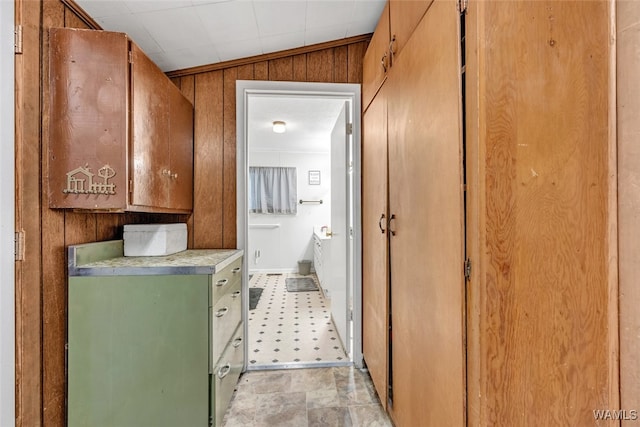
(89, 77)
(425, 195)
(376, 59)
(150, 164)
(404, 16)
(180, 150)
(375, 250)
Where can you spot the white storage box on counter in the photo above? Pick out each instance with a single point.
(154, 239)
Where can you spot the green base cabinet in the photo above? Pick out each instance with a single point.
(150, 348)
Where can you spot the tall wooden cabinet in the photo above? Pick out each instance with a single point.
(489, 291)
(121, 133)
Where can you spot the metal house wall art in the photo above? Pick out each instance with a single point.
(81, 181)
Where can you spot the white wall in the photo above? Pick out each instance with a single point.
(283, 246)
(7, 226)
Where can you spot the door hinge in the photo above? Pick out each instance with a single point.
(467, 269)
(462, 5)
(349, 128)
(17, 39)
(130, 57)
(19, 245)
(130, 186)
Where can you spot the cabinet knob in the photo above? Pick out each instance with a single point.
(222, 282)
(236, 270)
(222, 311)
(393, 232)
(236, 294)
(175, 175)
(383, 61)
(380, 223)
(237, 342)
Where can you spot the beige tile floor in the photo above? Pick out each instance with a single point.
(337, 396)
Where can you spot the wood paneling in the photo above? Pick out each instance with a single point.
(208, 157)
(628, 59)
(546, 350)
(28, 183)
(41, 295)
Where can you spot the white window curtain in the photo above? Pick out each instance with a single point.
(273, 190)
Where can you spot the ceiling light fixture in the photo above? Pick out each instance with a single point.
(279, 126)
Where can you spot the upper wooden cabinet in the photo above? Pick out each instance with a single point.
(376, 60)
(404, 16)
(121, 133)
(396, 24)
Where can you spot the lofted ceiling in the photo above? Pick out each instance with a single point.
(180, 34)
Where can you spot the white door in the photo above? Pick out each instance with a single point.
(338, 283)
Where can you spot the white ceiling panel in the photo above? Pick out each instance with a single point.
(181, 34)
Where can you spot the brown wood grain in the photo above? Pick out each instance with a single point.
(281, 69)
(356, 59)
(28, 271)
(546, 342)
(341, 73)
(404, 16)
(229, 161)
(187, 86)
(261, 70)
(245, 72)
(208, 161)
(53, 257)
(376, 61)
(628, 59)
(300, 68)
(375, 246)
(71, 20)
(320, 66)
(425, 195)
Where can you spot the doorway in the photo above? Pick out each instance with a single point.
(321, 148)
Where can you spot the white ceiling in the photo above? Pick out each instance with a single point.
(179, 34)
(309, 120)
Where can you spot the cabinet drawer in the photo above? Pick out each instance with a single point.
(225, 280)
(226, 375)
(225, 316)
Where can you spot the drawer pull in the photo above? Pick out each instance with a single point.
(237, 342)
(236, 294)
(236, 270)
(222, 282)
(222, 311)
(224, 371)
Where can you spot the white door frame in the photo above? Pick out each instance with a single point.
(7, 216)
(246, 88)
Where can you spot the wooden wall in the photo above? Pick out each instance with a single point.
(543, 324)
(41, 277)
(628, 46)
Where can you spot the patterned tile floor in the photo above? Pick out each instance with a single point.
(291, 327)
(338, 396)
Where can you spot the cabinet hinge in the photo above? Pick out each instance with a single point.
(349, 128)
(130, 57)
(19, 245)
(130, 186)
(467, 269)
(17, 39)
(462, 5)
